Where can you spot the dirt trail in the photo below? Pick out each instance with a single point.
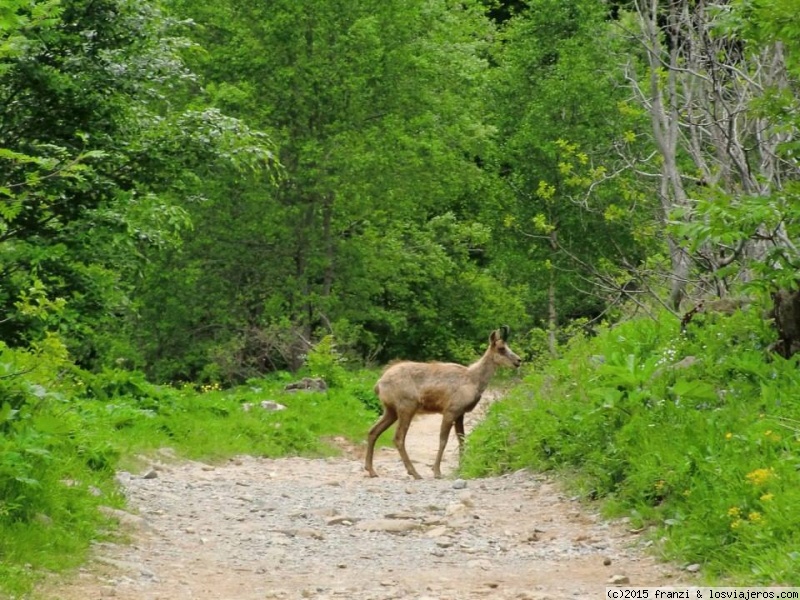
(301, 528)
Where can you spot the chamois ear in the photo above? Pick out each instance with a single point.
(505, 332)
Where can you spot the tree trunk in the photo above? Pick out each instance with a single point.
(329, 245)
(552, 311)
(786, 315)
(664, 116)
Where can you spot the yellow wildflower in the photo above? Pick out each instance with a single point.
(659, 485)
(735, 524)
(760, 476)
(767, 497)
(754, 516)
(728, 435)
(733, 511)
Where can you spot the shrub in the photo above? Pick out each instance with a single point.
(324, 361)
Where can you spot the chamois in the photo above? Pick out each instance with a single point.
(408, 388)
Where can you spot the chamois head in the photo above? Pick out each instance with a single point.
(502, 354)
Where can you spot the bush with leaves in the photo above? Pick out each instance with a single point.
(54, 468)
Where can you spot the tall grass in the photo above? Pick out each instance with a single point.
(693, 434)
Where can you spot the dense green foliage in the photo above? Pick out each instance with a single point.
(696, 435)
(208, 194)
(558, 108)
(204, 191)
(370, 232)
(96, 145)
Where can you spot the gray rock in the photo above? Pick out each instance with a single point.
(402, 515)
(306, 532)
(43, 519)
(308, 384)
(124, 518)
(341, 521)
(270, 405)
(124, 565)
(437, 531)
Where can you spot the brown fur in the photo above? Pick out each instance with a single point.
(410, 388)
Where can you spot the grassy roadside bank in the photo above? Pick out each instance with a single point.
(694, 436)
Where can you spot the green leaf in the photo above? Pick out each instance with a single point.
(28, 481)
(42, 452)
(7, 413)
(694, 389)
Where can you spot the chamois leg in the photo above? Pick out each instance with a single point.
(400, 442)
(459, 422)
(389, 417)
(444, 433)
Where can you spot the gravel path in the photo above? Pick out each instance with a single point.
(303, 528)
